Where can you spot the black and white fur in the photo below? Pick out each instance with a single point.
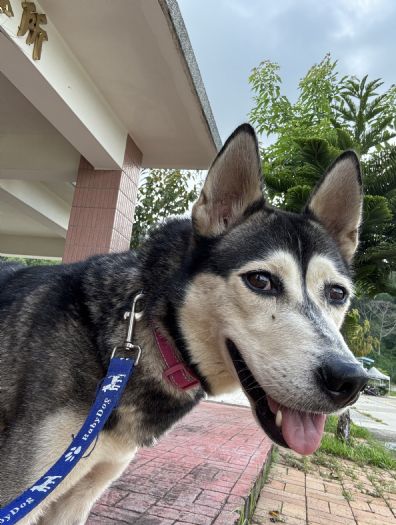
(59, 324)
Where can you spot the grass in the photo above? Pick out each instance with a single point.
(362, 452)
(362, 449)
(324, 460)
(298, 462)
(347, 495)
(247, 511)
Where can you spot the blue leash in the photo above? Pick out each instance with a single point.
(107, 399)
(110, 392)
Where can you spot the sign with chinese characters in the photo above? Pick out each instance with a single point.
(31, 24)
(5, 8)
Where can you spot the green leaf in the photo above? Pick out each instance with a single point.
(162, 194)
(297, 197)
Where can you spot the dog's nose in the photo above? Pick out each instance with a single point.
(342, 380)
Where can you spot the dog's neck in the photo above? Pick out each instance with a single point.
(156, 271)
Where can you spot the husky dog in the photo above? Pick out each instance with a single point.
(245, 294)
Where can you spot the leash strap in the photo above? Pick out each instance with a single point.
(107, 399)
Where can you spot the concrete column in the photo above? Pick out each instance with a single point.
(103, 207)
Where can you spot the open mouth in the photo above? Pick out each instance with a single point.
(295, 429)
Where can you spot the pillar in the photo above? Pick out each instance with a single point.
(103, 208)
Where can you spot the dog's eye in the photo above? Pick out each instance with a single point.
(262, 282)
(336, 294)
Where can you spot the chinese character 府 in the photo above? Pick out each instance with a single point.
(30, 23)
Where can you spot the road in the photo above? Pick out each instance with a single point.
(377, 414)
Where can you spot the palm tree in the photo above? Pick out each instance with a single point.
(368, 116)
(376, 258)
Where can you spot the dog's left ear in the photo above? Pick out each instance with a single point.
(233, 184)
(337, 202)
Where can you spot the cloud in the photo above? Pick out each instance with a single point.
(362, 8)
(353, 17)
(243, 10)
(358, 61)
(230, 37)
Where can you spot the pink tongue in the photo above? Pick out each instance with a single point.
(302, 431)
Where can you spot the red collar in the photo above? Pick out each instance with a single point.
(176, 371)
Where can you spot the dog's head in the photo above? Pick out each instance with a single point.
(270, 290)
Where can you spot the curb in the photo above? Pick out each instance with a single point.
(247, 511)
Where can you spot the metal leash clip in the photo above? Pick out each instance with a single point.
(133, 316)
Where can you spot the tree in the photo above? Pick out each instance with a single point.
(27, 261)
(162, 194)
(376, 258)
(381, 314)
(358, 335)
(333, 114)
(343, 431)
(346, 112)
(370, 121)
(311, 116)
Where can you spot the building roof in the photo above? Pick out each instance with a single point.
(108, 70)
(374, 373)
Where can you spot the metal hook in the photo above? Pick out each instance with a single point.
(133, 316)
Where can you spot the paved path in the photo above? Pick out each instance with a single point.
(198, 474)
(300, 492)
(234, 398)
(377, 414)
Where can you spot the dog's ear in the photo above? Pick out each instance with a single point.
(337, 202)
(232, 185)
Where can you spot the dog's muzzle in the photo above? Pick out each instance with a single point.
(257, 396)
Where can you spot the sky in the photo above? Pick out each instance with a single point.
(230, 37)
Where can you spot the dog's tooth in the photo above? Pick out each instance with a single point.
(278, 419)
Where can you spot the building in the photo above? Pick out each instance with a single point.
(90, 93)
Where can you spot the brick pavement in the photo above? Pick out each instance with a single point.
(300, 492)
(198, 474)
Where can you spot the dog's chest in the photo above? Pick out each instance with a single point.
(149, 413)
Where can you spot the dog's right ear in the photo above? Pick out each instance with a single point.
(232, 185)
